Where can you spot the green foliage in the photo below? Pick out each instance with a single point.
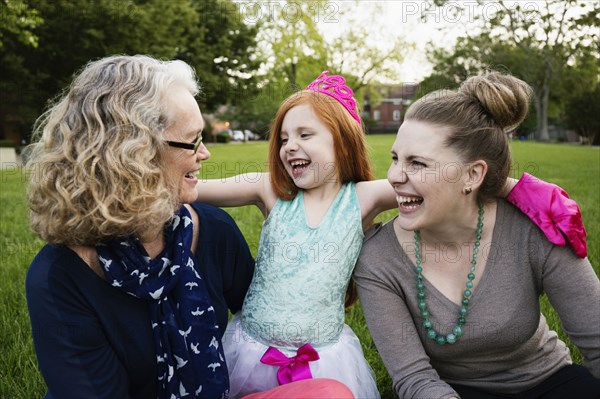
(222, 48)
(294, 48)
(291, 38)
(217, 37)
(536, 41)
(17, 32)
(18, 22)
(255, 112)
(72, 32)
(7, 143)
(75, 32)
(222, 138)
(582, 113)
(363, 64)
(580, 97)
(296, 52)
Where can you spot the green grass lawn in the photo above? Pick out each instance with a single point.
(575, 168)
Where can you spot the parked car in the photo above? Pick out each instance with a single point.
(237, 135)
(240, 135)
(250, 135)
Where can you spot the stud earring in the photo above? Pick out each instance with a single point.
(467, 190)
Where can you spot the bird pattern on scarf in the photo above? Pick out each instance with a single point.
(189, 355)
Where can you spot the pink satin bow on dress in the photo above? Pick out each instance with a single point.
(293, 368)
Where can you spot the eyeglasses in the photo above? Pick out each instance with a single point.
(188, 146)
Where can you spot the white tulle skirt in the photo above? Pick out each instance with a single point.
(342, 361)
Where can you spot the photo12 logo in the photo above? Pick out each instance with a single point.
(467, 11)
(252, 12)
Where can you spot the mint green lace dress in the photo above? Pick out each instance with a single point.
(297, 297)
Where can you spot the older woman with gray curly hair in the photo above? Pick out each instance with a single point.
(130, 297)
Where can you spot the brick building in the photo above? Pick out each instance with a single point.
(387, 115)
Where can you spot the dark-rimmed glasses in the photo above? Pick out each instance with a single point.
(188, 146)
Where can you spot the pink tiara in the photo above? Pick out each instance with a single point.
(335, 86)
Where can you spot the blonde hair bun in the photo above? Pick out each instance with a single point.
(505, 98)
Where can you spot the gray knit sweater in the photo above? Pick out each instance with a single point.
(506, 345)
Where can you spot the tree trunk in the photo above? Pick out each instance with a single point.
(542, 114)
(293, 75)
(595, 139)
(542, 107)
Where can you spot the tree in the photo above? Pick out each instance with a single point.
(544, 37)
(223, 49)
(296, 51)
(293, 53)
(353, 54)
(72, 32)
(17, 31)
(581, 98)
(18, 22)
(292, 43)
(75, 32)
(582, 114)
(471, 56)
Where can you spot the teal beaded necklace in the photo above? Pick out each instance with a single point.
(457, 331)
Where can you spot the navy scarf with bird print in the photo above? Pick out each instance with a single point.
(189, 353)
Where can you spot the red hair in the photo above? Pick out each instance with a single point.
(351, 154)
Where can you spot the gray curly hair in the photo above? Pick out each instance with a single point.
(96, 172)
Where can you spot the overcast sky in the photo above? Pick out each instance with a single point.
(381, 20)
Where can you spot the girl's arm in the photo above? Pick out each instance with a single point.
(546, 204)
(375, 196)
(240, 190)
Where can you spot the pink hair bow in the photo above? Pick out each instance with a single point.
(293, 368)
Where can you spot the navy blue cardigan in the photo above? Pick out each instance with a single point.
(94, 341)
